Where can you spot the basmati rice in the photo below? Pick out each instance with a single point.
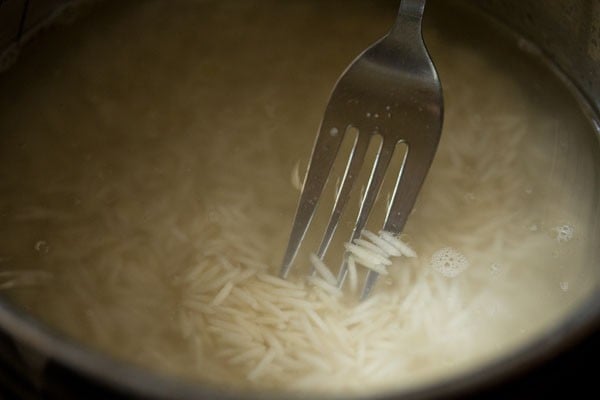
(155, 167)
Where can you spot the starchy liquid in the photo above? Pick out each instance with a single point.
(147, 188)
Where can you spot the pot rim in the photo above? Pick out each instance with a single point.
(581, 322)
(133, 380)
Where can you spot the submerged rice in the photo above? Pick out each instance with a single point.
(151, 212)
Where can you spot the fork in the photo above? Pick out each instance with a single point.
(392, 89)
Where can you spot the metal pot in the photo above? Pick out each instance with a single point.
(37, 362)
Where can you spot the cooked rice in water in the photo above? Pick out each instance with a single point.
(146, 196)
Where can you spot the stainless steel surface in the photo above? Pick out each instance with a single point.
(567, 32)
(391, 90)
(20, 20)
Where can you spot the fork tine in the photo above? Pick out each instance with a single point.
(370, 281)
(324, 153)
(410, 180)
(380, 166)
(352, 169)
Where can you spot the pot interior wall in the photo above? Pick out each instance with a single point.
(103, 139)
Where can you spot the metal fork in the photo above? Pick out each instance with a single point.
(392, 90)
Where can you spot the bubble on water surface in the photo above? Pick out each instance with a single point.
(449, 262)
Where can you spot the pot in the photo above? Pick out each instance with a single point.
(36, 361)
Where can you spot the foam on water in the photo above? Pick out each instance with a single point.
(449, 262)
(564, 233)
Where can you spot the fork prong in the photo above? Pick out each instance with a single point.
(355, 162)
(324, 153)
(372, 190)
(409, 182)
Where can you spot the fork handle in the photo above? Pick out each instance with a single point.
(408, 21)
(411, 8)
